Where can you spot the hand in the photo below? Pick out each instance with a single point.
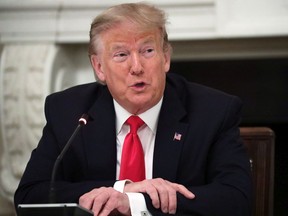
(105, 201)
(162, 193)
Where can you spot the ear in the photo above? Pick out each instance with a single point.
(167, 60)
(97, 67)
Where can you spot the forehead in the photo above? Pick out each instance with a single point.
(127, 33)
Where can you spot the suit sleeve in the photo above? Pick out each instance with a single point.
(226, 186)
(35, 183)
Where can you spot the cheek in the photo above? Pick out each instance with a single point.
(115, 75)
(110, 70)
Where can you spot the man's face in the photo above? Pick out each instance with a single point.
(133, 65)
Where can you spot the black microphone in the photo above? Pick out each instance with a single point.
(52, 195)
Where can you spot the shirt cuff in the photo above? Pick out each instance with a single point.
(137, 204)
(136, 200)
(119, 185)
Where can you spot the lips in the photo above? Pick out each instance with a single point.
(138, 85)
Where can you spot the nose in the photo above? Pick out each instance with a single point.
(136, 65)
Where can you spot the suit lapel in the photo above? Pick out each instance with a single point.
(100, 138)
(170, 136)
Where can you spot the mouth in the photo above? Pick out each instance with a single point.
(138, 85)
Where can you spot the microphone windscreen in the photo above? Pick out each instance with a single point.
(84, 119)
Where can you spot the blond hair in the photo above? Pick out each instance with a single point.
(144, 15)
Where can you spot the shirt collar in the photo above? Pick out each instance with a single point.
(150, 117)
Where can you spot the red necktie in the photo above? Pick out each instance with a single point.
(132, 159)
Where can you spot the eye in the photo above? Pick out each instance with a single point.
(120, 56)
(148, 52)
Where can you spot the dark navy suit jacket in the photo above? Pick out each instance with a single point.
(209, 158)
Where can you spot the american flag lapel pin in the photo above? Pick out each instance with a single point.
(177, 136)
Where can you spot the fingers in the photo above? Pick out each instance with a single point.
(103, 201)
(183, 190)
(162, 193)
(87, 201)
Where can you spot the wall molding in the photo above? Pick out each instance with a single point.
(68, 21)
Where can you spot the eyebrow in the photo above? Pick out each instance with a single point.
(120, 45)
(149, 40)
(117, 47)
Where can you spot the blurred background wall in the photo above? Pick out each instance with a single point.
(239, 46)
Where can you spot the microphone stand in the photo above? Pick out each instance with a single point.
(52, 193)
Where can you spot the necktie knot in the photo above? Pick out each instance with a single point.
(135, 123)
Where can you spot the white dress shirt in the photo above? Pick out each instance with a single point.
(147, 134)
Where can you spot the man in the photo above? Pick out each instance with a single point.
(195, 163)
